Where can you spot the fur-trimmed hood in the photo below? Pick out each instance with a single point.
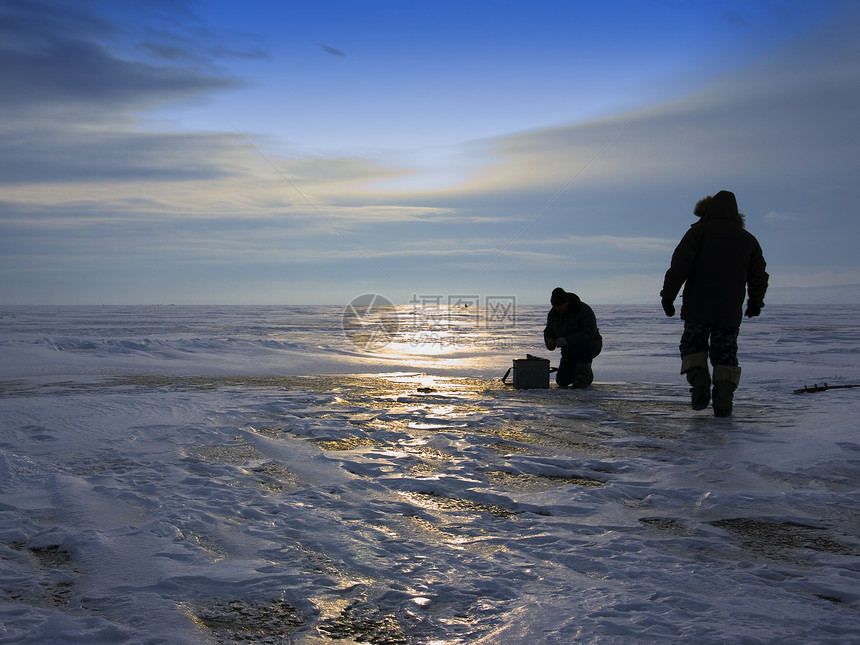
(723, 206)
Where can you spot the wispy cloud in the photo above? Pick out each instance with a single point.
(331, 50)
(813, 277)
(80, 82)
(775, 217)
(637, 244)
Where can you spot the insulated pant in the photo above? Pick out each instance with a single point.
(582, 352)
(723, 345)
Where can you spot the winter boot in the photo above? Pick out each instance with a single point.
(695, 366)
(726, 379)
(582, 375)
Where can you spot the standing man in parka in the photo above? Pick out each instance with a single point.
(572, 326)
(717, 261)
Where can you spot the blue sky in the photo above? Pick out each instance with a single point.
(307, 152)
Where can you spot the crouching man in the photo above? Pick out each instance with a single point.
(572, 327)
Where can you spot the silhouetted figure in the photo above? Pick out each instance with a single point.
(572, 326)
(718, 262)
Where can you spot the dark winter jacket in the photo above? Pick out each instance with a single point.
(717, 261)
(576, 324)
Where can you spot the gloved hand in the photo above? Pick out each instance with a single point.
(561, 342)
(668, 307)
(550, 343)
(752, 310)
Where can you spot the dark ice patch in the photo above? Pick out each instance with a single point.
(779, 539)
(240, 621)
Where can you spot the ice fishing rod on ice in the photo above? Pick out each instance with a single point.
(823, 388)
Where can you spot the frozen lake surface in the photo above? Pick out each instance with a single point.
(286, 475)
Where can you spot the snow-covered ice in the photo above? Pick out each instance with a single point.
(258, 475)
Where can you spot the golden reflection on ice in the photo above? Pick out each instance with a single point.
(429, 383)
(430, 335)
(427, 334)
(422, 355)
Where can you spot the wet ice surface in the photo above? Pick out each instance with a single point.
(240, 474)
